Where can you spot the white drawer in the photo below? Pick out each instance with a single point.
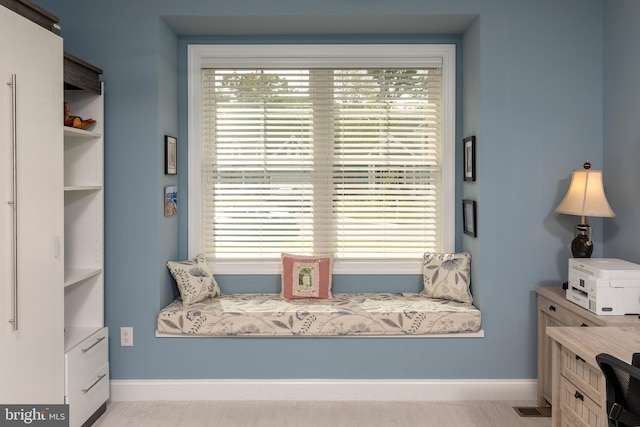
(91, 394)
(84, 359)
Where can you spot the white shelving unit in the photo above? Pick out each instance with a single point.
(53, 340)
(84, 218)
(86, 337)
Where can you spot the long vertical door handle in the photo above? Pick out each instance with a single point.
(14, 196)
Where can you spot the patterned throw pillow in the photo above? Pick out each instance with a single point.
(447, 276)
(194, 278)
(306, 276)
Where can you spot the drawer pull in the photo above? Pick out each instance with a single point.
(84, 350)
(580, 359)
(579, 395)
(584, 325)
(552, 308)
(86, 390)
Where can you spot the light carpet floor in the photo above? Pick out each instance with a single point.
(316, 414)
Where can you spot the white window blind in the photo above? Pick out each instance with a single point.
(344, 160)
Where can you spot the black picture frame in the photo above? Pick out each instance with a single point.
(469, 158)
(170, 155)
(469, 224)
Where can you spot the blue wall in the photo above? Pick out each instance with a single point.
(622, 127)
(531, 91)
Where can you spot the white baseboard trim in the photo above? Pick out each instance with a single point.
(326, 390)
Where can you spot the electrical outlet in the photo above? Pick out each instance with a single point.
(126, 336)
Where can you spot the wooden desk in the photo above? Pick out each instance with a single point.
(578, 386)
(555, 310)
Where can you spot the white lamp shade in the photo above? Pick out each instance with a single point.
(586, 196)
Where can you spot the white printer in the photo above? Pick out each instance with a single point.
(605, 285)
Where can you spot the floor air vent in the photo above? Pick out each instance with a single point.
(533, 411)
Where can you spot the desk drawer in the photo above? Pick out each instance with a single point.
(91, 394)
(567, 419)
(84, 359)
(577, 403)
(585, 376)
(563, 316)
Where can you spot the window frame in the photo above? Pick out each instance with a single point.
(357, 55)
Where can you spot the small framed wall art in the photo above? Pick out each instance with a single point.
(170, 200)
(170, 155)
(469, 158)
(469, 218)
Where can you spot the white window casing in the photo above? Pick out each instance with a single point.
(307, 164)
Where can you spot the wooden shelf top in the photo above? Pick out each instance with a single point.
(34, 13)
(80, 75)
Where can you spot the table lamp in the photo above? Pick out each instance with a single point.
(585, 198)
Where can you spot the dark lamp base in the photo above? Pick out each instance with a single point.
(581, 245)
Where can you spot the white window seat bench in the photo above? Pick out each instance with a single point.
(342, 315)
